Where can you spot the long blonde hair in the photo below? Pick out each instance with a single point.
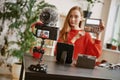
(66, 27)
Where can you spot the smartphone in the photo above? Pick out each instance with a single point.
(92, 25)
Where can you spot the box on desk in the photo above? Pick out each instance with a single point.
(86, 61)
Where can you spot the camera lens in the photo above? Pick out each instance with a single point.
(45, 16)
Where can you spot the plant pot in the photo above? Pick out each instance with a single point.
(16, 67)
(108, 45)
(114, 47)
(87, 14)
(119, 48)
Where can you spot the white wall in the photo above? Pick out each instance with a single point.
(97, 10)
(64, 6)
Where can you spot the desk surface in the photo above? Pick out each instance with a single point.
(68, 71)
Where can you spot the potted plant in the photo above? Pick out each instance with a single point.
(20, 14)
(117, 41)
(114, 44)
(91, 3)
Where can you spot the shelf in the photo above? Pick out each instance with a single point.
(116, 51)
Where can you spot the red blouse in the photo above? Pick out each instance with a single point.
(84, 45)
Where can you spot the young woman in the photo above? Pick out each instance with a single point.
(72, 33)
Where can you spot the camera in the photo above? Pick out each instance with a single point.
(46, 32)
(45, 29)
(48, 29)
(92, 25)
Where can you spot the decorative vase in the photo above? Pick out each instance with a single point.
(108, 45)
(87, 14)
(114, 47)
(16, 67)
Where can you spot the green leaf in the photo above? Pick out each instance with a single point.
(22, 14)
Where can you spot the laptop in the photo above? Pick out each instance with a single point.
(64, 53)
(86, 61)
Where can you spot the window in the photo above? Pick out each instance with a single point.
(117, 24)
(113, 24)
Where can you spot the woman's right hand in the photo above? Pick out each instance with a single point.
(101, 28)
